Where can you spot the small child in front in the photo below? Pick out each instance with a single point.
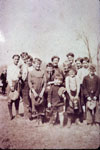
(56, 101)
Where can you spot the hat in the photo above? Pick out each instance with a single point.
(91, 104)
(54, 58)
(14, 95)
(92, 67)
(61, 91)
(70, 54)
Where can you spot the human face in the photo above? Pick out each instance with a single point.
(25, 59)
(72, 73)
(55, 62)
(29, 62)
(78, 64)
(57, 81)
(16, 60)
(70, 59)
(91, 72)
(85, 64)
(49, 70)
(37, 65)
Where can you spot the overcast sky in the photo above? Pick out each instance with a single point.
(48, 27)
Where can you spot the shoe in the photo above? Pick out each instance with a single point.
(78, 122)
(12, 117)
(31, 118)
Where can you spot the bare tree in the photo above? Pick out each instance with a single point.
(85, 39)
(98, 59)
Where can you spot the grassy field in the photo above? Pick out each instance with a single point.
(24, 134)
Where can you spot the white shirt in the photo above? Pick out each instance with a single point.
(72, 84)
(24, 71)
(82, 73)
(13, 72)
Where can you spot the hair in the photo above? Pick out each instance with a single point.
(79, 59)
(85, 59)
(15, 55)
(58, 76)
(37, 59)
(49, 65)
(54, 58)
(70, 54)
(92, 67)
(30, 57)
(74, 69)
(23, 54)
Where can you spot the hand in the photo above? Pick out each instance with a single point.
(49, 105)
(34, 92)
(76, 97)
(89, 98)
(12, 88)
(40, 95)
(83, 108)
(36, 95)
(94, 98)
(71, 97)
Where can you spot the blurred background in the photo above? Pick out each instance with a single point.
(45, 28)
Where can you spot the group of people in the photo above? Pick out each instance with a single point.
(52, 92)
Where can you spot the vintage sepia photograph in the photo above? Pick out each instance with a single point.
(49, 74)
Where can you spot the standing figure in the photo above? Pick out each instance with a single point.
(73, 105)
(91, 93)
(37, 85)
(68, 64)
(56, 101)
(13, 75)
(4, 80)
(25, 87)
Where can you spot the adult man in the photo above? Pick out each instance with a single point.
(13, 75)
(57, 70)
(91, 93)
(25, 87)
(68, 63)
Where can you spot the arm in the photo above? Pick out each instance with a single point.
(67, 86)
(30, 85)
(78, 86)
(85, 91)
(44, 86)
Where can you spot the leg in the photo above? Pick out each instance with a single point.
(61, 118)
(10, 109)
(89, 116)
(69, 121)
(17, 106)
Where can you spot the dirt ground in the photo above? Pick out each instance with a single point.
(24, 134)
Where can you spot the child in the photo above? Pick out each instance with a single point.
(37, 85)
(55, 102)
(73, 88)
(91, 93)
